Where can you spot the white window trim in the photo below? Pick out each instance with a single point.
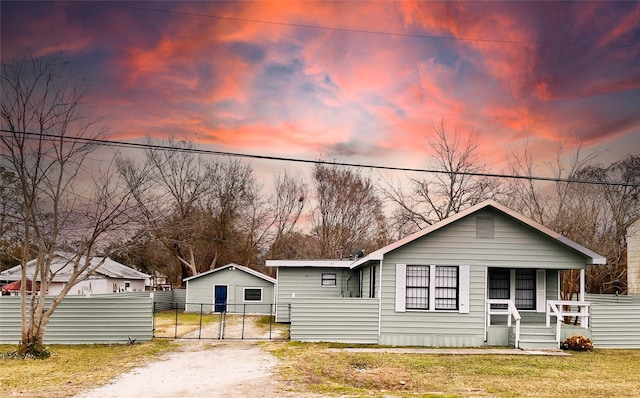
(463, 291)
(244, 289)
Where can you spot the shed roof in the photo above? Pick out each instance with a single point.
(591, 257)
(234, 266)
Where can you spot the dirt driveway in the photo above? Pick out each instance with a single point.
(200, 369)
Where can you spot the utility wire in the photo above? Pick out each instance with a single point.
(364, 31)
(147, 146)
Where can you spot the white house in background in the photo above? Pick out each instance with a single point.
(633, 257)
(111, 276)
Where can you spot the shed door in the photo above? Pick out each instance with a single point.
(220, 298)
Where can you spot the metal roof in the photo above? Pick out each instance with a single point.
(62, 265)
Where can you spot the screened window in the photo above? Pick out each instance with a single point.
(525, 289)
(252, 294)
(417, 287)
(328, 280)
(446, 288)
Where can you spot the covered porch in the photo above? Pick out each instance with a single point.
(524, 309)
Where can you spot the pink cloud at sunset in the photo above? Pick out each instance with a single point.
(365, 82)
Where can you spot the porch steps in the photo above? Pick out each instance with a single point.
(537, 337)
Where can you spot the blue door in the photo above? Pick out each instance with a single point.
(220, 298)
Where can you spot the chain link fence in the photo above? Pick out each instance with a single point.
(231, 321)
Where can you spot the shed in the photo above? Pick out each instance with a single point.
(231, 288)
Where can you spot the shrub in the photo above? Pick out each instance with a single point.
(577, 343)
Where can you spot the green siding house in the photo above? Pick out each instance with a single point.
(485, 276)
(231, 288)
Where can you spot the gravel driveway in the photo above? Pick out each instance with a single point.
(200, 369)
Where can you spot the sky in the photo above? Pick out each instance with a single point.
(358, 82)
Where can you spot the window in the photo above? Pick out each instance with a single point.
(252, 294)
(328, 280)
(519, 285)
(525, 289)
(417, 287)
(426, 281)
(446, 288)
(499, 285)
(372, 282)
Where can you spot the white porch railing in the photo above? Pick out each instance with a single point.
(510, 311)
(564, 308)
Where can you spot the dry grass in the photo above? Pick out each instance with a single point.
(187, 322)
(72, 368)
(602, 373)
(312, 368)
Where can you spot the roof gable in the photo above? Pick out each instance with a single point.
(592, 257)
(234, 266)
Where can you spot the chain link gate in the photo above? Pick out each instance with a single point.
(234, 322)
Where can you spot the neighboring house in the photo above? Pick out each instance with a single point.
(633, 257)
(110, 277)
(231, 288)
(485, 276)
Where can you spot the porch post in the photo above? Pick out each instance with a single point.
(582, 285)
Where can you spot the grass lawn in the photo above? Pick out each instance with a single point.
(72, 368)
(602, 373)
(310, 367)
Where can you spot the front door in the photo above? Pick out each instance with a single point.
(220, 298)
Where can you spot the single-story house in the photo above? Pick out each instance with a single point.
(110, 277)
(486, 276)
(231, 288)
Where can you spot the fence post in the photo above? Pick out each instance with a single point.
(289, 308)
(221, 328)
(175, 332)
(153, 321)
(200, 328)
(244, 315)
(270, 319)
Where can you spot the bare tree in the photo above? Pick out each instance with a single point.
(348, 213)
(457, 186)
(10, 206)
(169, 187)
(288, 201)
(204, 212)
(594, 215)
(45, 142)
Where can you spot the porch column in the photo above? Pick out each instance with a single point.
(582, 284)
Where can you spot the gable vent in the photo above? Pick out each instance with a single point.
(484, 227)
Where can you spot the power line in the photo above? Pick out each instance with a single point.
(134, 145)
(365, 31)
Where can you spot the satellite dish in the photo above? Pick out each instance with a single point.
(356, 254)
